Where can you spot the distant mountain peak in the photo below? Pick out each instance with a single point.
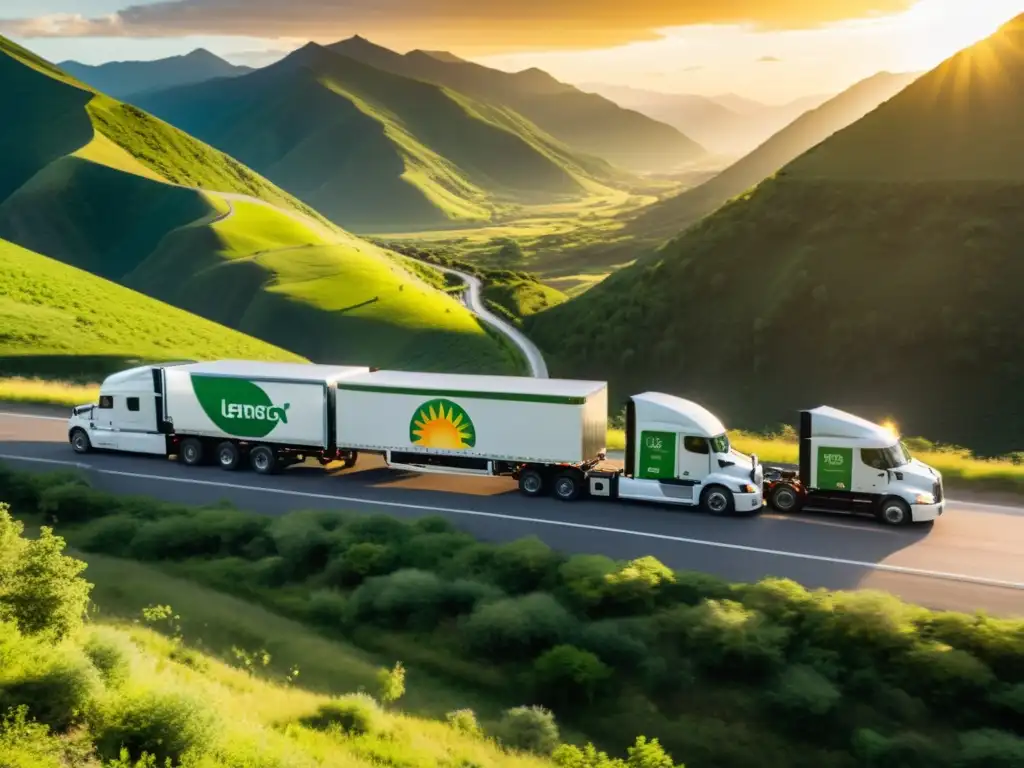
(445, 56)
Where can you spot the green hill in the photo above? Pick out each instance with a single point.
(584, 121)
(57, 320)
(377, 151)
(108, 188)
(880, 272)
(125, 79)
(670, 216)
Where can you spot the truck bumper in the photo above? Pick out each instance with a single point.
(923, 513)
(748, 503)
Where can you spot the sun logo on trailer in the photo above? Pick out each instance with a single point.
(442, 424)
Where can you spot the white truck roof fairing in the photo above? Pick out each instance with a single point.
(827, 421)
(470, 385)
(691, 418)
(258, 369)
(128, 379)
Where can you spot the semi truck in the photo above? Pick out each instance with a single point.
(850, 465)
(548, 434)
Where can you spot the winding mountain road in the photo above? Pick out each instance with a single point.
(475, 303)
(972, 558)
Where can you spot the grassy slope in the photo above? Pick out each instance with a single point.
(672, 215)
(93, 182)
(378, 150)
(327, 297)
(255, 711)
(586, 122)
(879, 273)
(59, 320)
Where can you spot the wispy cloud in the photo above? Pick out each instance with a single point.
(769, 60)
(494, 25)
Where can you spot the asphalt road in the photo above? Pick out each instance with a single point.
(475, 302)
(972, 558)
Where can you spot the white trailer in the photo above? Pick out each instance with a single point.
(550, 435)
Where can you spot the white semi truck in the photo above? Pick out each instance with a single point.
(850, 465)
(549, 434)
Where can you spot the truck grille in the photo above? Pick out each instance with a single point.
(937, 491)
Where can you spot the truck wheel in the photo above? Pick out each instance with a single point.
(190, 452)
(263, 460)
(351, 460)
(894, 512)
(80, 442)
(718, 501)
(784, 498)
(568, 486)
(531, 482)
(228, 456)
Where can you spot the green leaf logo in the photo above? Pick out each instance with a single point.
(238, 407)
(442, 424)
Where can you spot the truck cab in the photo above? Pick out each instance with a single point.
(126, 417)
(678, 452)
(849, 464)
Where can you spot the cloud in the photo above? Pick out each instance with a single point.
(769, 60)
(464, 24)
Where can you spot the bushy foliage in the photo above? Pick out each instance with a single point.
(518, 627)
(162, 723)
(110, 653)
(40, 588)
(530, 729)
(355, 714)
(464, 721)
(566, 675)
(56, 687)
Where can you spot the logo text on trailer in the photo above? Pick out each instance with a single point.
(237, 406)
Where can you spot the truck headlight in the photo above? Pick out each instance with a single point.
(925, 498)
(748, 488)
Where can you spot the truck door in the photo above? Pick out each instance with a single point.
(871, 475)
(101, 424)
(694, 459)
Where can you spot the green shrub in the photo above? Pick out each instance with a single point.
(464, 721)
(303, 542)
(25, 743)
(328, 608)
(571, 756)
(359, 562)
(567, 675)
(622, 643)
(109, 535)
(270, 571)
(729, 639)
(906, 750)
(518, 628)
(173, 538)
(584, 579)
(75, 502)
(355, 714)
(945, 676)
(415, 599)
(111, 653)
(166, 724)
(41, 589)
(801, 693)
(391, 683)
(378, 529)
(434, 550)
(648, 754)
(58, 689)
(637, 586)
(988, 748)
(529, 729)
(433, 524)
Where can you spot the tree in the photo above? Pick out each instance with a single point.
(510, 253)
(41, 589)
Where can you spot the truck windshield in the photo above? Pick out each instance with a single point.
(893, 456)
(720, 444)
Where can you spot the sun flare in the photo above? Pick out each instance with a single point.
(941, 28)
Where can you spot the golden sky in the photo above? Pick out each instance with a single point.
(769, 49)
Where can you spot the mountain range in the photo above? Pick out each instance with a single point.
(726, 125)
(373, 150)
(127, 79)
(105, 187)
(674, 214)
(879, 271)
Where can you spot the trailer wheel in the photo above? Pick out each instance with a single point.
(568, 486)
(895, 512)
(531, 482)
(717, 500)
(263, 460)
(80, 442)
(190, 452)
(228, 456)
(784, 498)
(350, 460)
